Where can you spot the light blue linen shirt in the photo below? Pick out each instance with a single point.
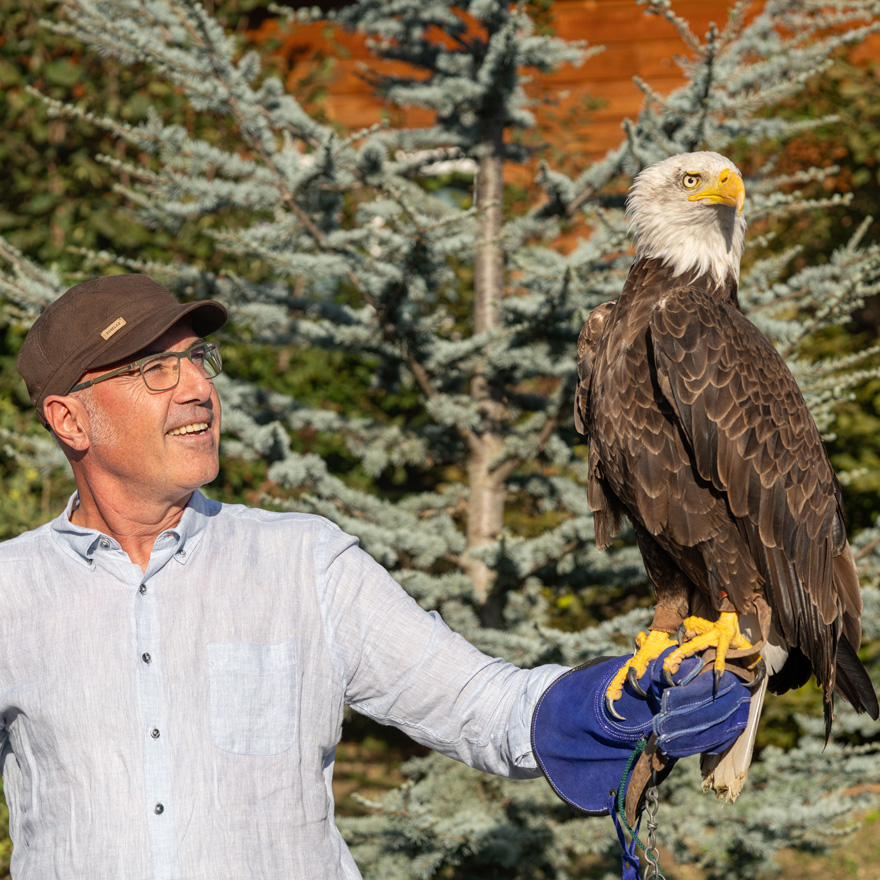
(181, 724)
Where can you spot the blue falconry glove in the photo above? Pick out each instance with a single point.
(587, 755)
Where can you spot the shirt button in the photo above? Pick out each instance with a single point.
(158, 809)
(104, 543)
(146, 658)
(155, 733)
(142, 589)
(181, 554)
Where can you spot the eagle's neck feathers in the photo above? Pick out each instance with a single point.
(698, 240)
(650, 279)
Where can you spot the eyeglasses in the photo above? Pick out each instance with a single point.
(161, 372)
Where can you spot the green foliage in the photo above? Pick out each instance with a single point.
(57, 195)
(5, 843)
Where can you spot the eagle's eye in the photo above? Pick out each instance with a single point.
(689, 181)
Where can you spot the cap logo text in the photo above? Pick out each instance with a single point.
(109, 331)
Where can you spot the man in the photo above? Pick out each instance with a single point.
(173, 671)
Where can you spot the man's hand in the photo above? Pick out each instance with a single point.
(585, 753)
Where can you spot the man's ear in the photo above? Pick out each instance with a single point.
(68, 420)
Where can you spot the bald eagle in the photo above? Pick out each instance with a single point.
(699, 434)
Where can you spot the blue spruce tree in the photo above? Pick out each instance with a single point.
(386, 262)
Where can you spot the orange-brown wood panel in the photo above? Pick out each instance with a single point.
(636, 44)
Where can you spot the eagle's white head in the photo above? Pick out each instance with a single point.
(687, 212)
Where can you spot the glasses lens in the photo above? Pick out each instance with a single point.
(161, 372)
(208, 359)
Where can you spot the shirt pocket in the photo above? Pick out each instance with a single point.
(253, 697)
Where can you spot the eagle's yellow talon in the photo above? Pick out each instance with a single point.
(650, 646)
(722, 634)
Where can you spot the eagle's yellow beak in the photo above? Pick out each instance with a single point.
(728, 189)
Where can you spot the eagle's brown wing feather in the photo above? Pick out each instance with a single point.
(589, 338)
(751, 437)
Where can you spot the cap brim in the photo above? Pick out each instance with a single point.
(207, 316)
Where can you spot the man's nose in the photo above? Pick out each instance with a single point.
(194, 383)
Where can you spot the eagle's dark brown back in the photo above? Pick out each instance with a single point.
(699, 433)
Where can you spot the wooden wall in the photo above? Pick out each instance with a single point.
(636, 44)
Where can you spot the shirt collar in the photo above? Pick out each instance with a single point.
(88, 545)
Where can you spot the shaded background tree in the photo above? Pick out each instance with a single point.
(401, 355)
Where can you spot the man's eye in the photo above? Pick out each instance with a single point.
(198, 356)
(689, 181)
(157, 366)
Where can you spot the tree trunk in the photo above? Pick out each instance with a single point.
(487, 487)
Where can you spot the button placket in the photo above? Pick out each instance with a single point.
(158, 804)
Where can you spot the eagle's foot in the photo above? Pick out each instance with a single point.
(722, 635)
(650, 646)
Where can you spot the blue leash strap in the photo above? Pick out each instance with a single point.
(616, 807)
(629, 859)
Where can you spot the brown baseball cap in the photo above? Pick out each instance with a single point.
(99, 323)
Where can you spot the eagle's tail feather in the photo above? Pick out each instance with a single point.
(852, 682)
(725, 774)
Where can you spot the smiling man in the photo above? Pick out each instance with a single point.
(135, 475)
(173, 671)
